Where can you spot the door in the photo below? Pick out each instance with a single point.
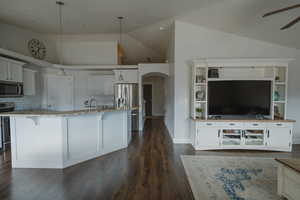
(60, 92)
(279, 137)
(15, 72)
(147, 93)
(208, 136)
(3, 70)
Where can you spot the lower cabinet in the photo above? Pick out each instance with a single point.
(207, 136)
(279, 137)
(260, 136)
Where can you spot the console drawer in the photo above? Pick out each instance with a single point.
(232, 124)
(254, 125)
(209, 124)
(280, 125)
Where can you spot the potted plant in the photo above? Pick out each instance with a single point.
(199, 112)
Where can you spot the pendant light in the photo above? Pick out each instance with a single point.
(60, 4)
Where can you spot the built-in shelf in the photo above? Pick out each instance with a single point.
(200, 84)
(200, 101)
(209, 70)
(280, 83)
(240, 79)
(279, 102)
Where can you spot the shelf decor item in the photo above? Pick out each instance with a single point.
(199, 112)
(213, 73)
(200, 79)
(200, 95)
(276, 96)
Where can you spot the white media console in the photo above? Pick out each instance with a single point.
(273, 133)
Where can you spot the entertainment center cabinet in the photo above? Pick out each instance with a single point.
(271, 131)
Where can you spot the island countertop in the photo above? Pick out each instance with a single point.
(44, 112)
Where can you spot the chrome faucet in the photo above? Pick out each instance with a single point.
(89, 103)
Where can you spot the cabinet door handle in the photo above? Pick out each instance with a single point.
(219, 132)
(268, 133)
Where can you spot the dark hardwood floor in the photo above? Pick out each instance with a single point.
(149, 169)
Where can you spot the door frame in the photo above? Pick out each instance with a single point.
(148, 83)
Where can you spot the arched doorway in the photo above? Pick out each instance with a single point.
(153, 95)
(145, 72)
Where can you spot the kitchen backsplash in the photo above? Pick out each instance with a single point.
(26, 102)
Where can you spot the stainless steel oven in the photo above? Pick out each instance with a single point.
(5, 125)
(11, 89)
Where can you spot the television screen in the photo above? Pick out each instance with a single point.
(239, 97)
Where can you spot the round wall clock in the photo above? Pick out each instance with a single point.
(37, 49)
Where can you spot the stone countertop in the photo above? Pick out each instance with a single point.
(41, 112)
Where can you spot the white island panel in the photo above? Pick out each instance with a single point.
(59, 141)
(36, 142)
(83, 136)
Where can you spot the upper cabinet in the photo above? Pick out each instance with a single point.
(29, 79)
(3, 70)
(11, 70)
(126, 76)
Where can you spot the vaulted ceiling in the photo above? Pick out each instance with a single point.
(148, 20)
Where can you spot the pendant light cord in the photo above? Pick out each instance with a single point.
(60, 4)
(120, 29)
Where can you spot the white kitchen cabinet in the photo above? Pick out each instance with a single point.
(60, 92)
(11, 70)
(126, 76)
(15, 71)
(279, 135)
(207, 136)
(29, 82)
(3, 70)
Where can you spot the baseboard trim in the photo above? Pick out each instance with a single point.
(182, 141)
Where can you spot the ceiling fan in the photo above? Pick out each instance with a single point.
(291, 23)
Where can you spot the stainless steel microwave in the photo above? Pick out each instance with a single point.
(11, 89)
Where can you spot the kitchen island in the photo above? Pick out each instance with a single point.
(59, 139)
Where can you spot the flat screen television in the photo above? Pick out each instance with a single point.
(249, 98)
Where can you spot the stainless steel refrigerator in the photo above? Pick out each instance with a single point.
(127, 96)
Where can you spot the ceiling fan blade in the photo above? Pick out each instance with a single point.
(291, 23)
(281, 10)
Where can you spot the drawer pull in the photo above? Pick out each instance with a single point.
(255, 124)
(208, 124)
(279, 124)
(231, 124)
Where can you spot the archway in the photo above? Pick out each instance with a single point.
(154, 76)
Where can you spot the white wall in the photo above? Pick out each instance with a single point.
(101, 49)
(15, 39)
(158, 94)
(169, 104)
(194, 42)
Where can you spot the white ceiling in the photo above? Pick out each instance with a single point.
(145, 17)
(244, 17)
(93, 16)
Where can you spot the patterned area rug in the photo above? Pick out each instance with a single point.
(232, 178)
